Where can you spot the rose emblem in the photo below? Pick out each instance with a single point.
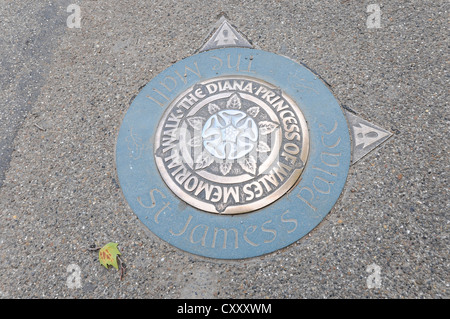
(230, 134)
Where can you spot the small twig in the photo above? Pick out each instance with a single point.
(122, 267)
(94, 248)
(41, 128)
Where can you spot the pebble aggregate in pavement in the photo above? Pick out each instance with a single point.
(60, 193)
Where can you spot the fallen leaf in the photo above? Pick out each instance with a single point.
(108, 255)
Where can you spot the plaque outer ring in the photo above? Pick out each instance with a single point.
(244, 235)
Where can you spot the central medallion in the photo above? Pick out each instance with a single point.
(229, 135)
(231, 145)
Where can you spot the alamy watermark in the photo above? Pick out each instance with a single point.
(374, 279)
(374, 19)
(74, 20)
(74, 278)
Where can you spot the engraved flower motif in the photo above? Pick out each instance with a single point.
(230, 135)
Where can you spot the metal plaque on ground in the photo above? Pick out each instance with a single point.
(236, 152)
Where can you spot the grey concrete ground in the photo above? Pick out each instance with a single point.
(65, 91)
(30, 33)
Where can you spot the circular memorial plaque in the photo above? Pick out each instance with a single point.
(231, 145)
(233, 153)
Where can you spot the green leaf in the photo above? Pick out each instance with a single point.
(108, 255)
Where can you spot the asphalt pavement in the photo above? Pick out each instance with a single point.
(64, 92)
